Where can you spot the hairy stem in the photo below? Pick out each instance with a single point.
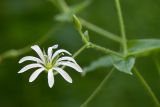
(122, 26)
(101, 31)
(147, 87)
(97, 90)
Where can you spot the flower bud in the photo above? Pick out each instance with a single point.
(77, 23)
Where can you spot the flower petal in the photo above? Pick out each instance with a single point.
(50, 78)
(30, 58)
(50, 51)
(70, 64)
(66, 58)
(60, 51)
(35, 74)
(29, 67)
(64, 74)
(39, 52)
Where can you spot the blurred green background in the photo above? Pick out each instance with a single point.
(23, 22)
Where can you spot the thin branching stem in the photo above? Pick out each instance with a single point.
(146, 86)
(100, 31)
(105, 50)
(122, 26)
(98, 89)
(61, 5)
(89, 25)
(83, 37)
(80, 50)
(157, 63)
(64, 5)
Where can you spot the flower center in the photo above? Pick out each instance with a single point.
(49, 66)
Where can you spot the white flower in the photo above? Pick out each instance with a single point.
(50, 62)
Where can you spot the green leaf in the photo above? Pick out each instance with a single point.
(143, 46)
(105, 61)
(121, 64)
(124, 64)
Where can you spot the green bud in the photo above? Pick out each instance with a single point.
(77, 23)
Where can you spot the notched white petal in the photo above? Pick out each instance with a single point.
(30, 58)
(66, 58)
(55, 46)
(37, 49)
(50, 78)
(46, 58)
(70, 64)
(49, 53)
(35, 74)
(64, 74)
(30, 66)
(60, 51)
(50, 49)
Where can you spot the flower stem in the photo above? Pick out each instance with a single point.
(97, 90)
(122, 26)
(101, 31)
(105, 50)
(147, 87)
(80, 50)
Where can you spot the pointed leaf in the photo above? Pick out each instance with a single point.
(124, 64)
(143, 46)
(105, 61)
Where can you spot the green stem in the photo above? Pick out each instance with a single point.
(15, 53)
(75, 55)
(80, 51)
(61, 5)
(122, 26)
(157, 64)
(105, 50)
(83, 37)
(64, 5)
(101, 31)
(147, 87)
(97, 90)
